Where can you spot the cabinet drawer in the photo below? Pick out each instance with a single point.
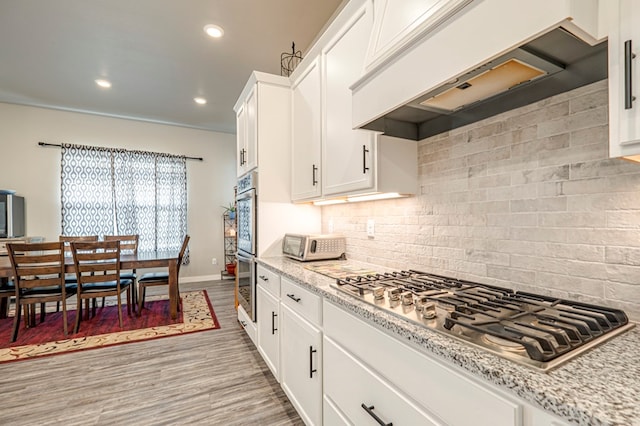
(269, 280)
(248, 325)
(349, 385)
(301, 301)
(413, 372)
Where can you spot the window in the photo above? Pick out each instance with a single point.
(114, 191)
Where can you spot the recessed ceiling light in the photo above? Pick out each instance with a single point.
(213, 31)
(200, 101)
(103, 83)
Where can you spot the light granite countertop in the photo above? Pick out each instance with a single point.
(599, 387)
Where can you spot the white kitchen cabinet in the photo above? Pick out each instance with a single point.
(347, 154)
(301, 360)
(363, 396)
(356, 351)
(249, 326)
(624, 79)
(358, 161)
(263, 119)
(306, 154)
(269, 281)
(247, 135)
(268, 326)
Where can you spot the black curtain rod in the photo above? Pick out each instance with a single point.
(60, 146)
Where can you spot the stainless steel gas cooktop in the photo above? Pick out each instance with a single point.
(533, 330)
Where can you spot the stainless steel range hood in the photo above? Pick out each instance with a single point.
(551, 64)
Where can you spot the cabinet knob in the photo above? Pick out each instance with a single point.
(264, 278)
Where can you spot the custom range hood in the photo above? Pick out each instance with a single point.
(555, 62)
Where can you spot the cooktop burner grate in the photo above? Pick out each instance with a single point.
(535, 330)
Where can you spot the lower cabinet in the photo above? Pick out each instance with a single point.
(338, 369)
(301, 361)
(371, 377)
(248, 325)
(363, 396)
(269, 330)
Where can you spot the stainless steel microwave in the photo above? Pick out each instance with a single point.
(313, 247)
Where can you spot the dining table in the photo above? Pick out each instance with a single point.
(141, 260)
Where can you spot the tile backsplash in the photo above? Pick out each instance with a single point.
(527, 199)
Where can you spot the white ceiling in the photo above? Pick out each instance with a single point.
(154, 52)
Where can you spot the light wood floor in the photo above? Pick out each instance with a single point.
(208, 378)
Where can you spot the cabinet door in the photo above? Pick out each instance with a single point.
(348, 157)
(624, 80)
(363, 396)
(302, 365)
(251, 146)
(241, 139)
(269, 330)
(307, 132)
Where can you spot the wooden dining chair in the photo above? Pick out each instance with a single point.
(38, 272)
(151, 279)
(97, 267)
(66, 240)
(128, 245)
(7, 291)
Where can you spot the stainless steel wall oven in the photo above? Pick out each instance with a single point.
(246, 202)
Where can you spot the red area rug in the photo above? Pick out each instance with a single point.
(102, 330)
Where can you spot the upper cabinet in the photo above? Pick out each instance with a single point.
(307, 132)
(330, 158)
(263, 114)
(624, 79)
(247, 135)
(347, 153)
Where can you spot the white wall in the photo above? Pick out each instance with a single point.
(34, 171)
(527, 199)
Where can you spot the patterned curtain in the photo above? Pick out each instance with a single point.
(115, 191)
(87, 191)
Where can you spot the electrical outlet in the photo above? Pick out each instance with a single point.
(214, 261)
(370, 228)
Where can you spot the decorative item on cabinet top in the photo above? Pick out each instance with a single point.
(289, 61)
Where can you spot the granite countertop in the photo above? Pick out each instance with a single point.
(599, 387)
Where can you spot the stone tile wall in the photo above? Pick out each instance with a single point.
(527, 199)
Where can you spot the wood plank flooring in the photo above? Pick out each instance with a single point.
(208, 378)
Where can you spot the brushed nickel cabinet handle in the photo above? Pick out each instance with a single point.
(364, 159)
(369, 410)
(294, 298)
(629, 56)
(311, 369)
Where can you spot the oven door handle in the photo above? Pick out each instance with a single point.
(244, 257)
(249, 193)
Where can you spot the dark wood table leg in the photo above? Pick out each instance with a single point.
(173, 290)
